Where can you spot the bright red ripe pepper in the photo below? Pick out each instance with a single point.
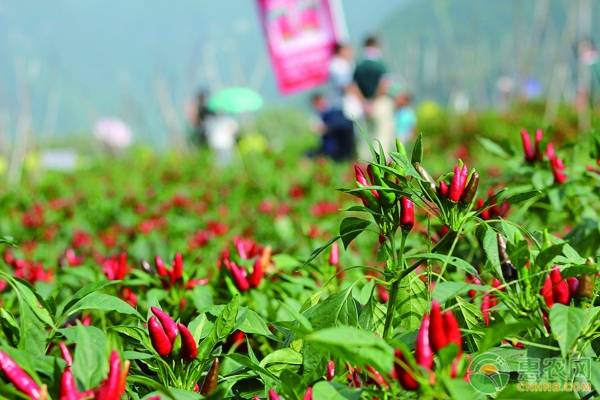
(558, 170)
(169, 326)
(308, 395)
(330, 374)
(377, 377)
(527, 147)
(443, 189)
(407, 214)
(560, 287)
(177, 272)
(189, 348)
(458, 183)
(423, 352)
(18, 377)
(68, 387)
(160, 340)
(452, 329)
(238, 274)
(485, 308)
(405, 377)
(161, 269)
(334, 255)
(257, 274)
(437, 333)
(113, 387)
(66, 354)
(273, 394)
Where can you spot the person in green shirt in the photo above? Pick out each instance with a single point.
(371, 78)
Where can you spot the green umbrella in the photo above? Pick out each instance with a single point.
(235, 100)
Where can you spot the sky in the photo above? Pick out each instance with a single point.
(77, 60)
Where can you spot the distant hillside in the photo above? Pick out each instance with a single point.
(439, 46)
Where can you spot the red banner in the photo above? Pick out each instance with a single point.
(300, 37)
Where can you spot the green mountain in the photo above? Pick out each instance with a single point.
(440, 46)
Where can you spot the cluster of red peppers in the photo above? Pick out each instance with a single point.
(557, 165)
(463, 186)
(558, 290)
(31, 271)
(247, 251)
(111, 388)
(375, 199)
(494, 210)
(533, 153)
(163, 333)
(438, 330)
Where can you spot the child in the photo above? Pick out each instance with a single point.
(405, 119)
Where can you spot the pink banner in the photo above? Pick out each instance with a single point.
(300, 38)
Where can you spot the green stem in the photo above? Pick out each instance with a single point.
(395, 286)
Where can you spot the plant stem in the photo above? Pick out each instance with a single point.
(395, 286)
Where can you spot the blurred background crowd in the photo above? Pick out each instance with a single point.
(78, 79)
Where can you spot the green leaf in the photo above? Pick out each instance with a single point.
(315, 253)
(103, 302)
(417, 152)
(412, 302)
(500, 331)
(81, 293)
(350, 228)
(546, 256)
(282, 356)
(490, 247)
(492, 147)
(251, 322)
(89, 360)
(567, 324)
(355, 346)
(27, 296)
(324, 390)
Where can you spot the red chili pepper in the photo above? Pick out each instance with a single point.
(437, 333)
(423, 352)
(239, 276)
(273, 394)
(403, 375)
(443, 189)
(377, 377)
(452, 329)
(160, 340)
(470, 189)
(458, 183)
(560, 287)
(160, 266)
(113, 387)
(308, 395)
(527, 147)
(68, 387)
(407, 214)
(573, 285)
(177, 272)
(485, 308)
(169, 326)
(558, 170)
(189, 348)
(330, 374)
(334, 255)
(18, 377)
(66, 354)
(257, 274)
